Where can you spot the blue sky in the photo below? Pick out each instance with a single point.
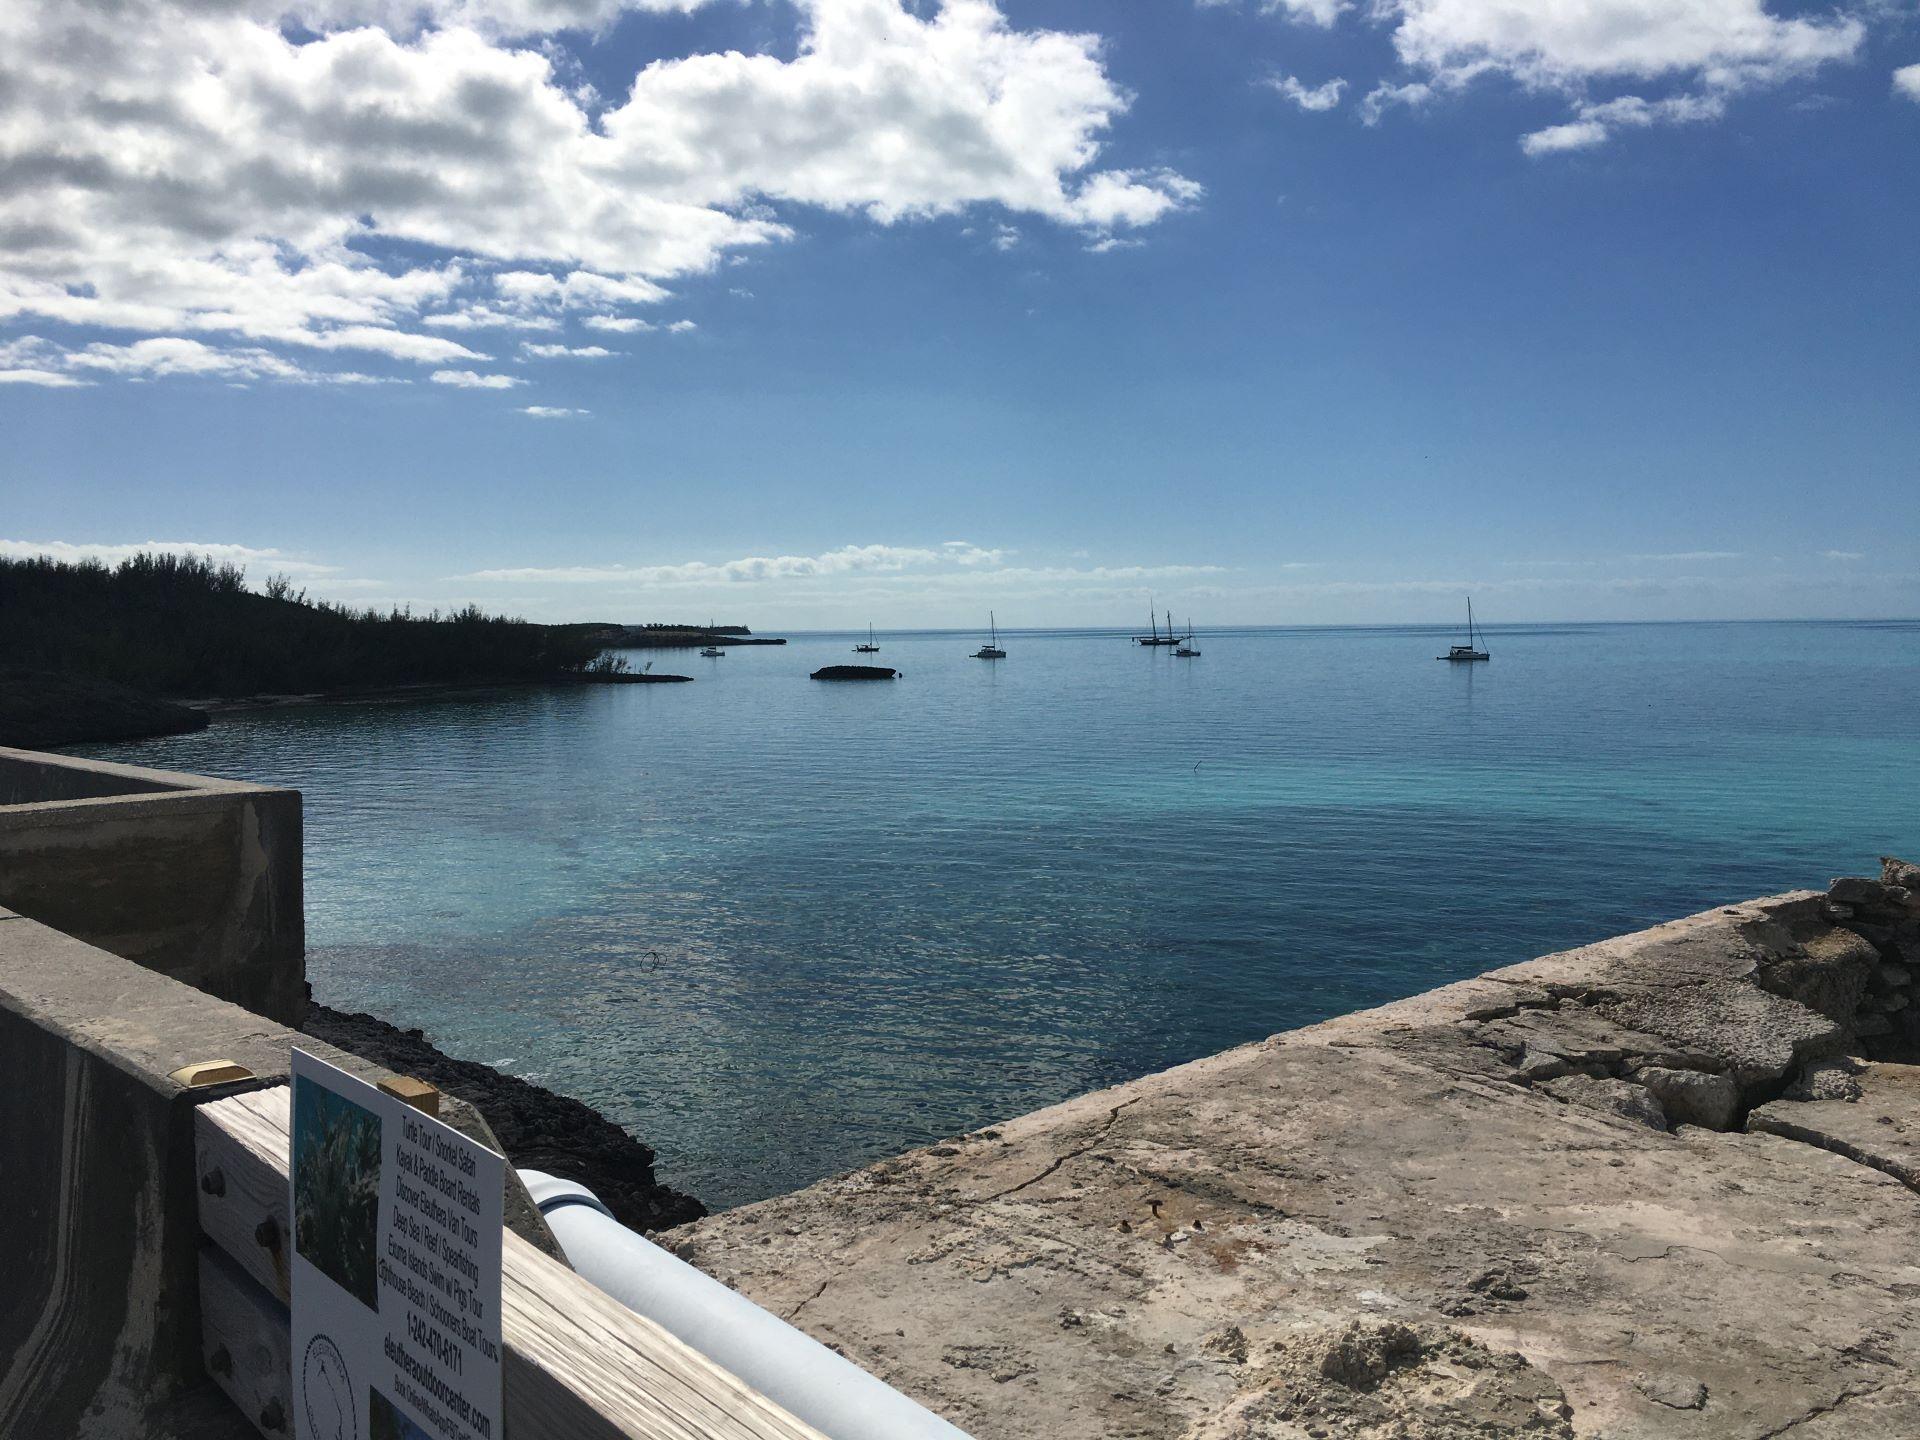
(859, 310)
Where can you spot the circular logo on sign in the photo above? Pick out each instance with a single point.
(327, 1392)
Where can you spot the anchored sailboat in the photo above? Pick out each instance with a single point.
(991, 650)
(1464, 654)
(1156, 638)
(1186, 648)
(869, 648)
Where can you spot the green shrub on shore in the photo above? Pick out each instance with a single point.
(183, 626)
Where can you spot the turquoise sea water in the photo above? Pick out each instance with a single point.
(781, 928)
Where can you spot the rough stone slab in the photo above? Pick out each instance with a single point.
(1153, 1261)
(1880, 1128)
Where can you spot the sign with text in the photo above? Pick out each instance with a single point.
(396, 1267)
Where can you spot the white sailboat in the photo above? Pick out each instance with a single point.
(991, 650)
(870, 648)
(1469, 652)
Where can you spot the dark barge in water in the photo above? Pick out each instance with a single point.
(854, 672)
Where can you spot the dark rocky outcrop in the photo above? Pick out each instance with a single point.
(1884, 916)
(854, 672)
(539, 1129)
(39, 708)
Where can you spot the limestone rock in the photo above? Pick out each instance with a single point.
(1880, 1128)
(1676, 1392)
(1380, 1378)
(1616, 1097)
(1829, 1080)
(1691, 1097)
(1899, 872)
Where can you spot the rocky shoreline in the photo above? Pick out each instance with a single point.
(538, 1129)
(1660, 1187)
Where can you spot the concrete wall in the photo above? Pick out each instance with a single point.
(197, 878)
(99, 1231)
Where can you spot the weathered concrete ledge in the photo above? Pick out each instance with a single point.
(194, 877)
(1635, 1189)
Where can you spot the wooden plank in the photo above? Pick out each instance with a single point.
(245, 1342)
(240, 1165)
(578, 1366)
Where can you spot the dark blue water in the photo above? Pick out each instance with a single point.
(779, 928)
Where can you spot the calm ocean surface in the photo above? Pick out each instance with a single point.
(779, 929)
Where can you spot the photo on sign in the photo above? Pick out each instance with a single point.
(336, 1199)
(386, 1422)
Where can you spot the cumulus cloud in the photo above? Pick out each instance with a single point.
(161, 357)
(565, 352)
(1598, 122)
(1906, 81)
(1703, 50)
(474, 380)
(618, 324)
(1319, 97)
(357, 175)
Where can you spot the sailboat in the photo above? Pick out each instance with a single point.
(713, 651)
(1185, 650)
(1462, 654)
(1156, 638)
(869, 648)
(991, 650)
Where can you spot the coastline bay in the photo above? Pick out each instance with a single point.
(780, 929)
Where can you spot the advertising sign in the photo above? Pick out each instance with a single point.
(396, 1267)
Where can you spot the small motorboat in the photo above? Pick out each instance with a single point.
(991, 650)
(712, 652)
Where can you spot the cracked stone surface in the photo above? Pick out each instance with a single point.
(1878, 1124)
(1408, 1222)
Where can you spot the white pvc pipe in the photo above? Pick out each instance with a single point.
(795, 1371)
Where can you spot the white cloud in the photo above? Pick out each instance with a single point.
(1598, 122)
(554, 412)
(957, 569)
(195, 168)
(51, 379)
(1553, 45)
(565, 352)
(1413, 95)
(1906, 81)
(473, 380)
(1706, 50)
(161, 357)
(487, 317)
(617, 324)
(1311, 12)
(112, 554)
(1574, 135)
(681, 327)
(1319, 97)
(1841, 555)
